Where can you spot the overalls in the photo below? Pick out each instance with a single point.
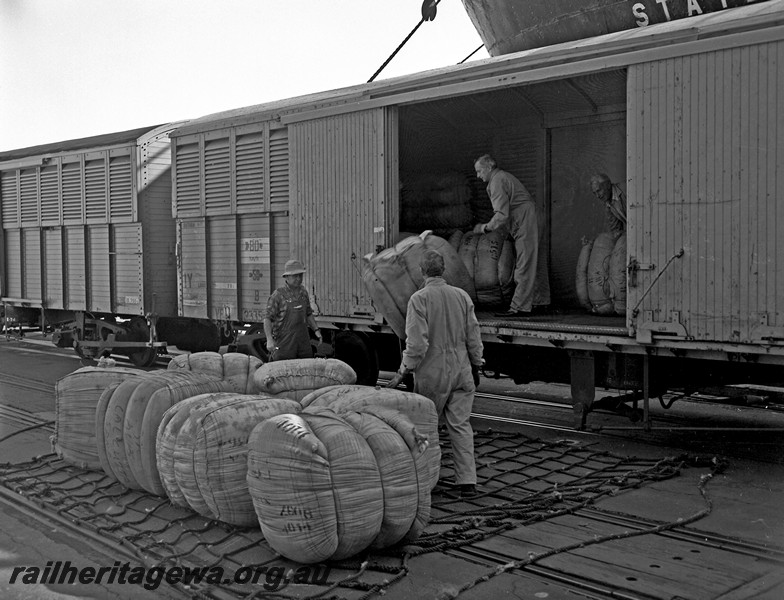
(292, 336)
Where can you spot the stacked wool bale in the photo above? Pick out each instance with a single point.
(601, 275)
(489, 259)
(393, 275)
(328, 485)
(201, 450)
(233, 367)
(437, 202)
(296, 378)
(127, 418)
(76, 399)
(419, 409)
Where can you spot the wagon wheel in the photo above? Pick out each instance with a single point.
(356, 350)
(139, 331)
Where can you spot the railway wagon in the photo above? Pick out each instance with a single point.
(88, 241)
(686, 116)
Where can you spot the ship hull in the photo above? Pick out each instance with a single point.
(507, 26)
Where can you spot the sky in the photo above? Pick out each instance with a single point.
(77, 68)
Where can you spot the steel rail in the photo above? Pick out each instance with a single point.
(25, 383)
(596, 591)
(694, 536)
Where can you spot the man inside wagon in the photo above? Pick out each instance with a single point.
(614, 202)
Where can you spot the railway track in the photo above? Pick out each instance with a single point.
(549, 566)
(732, 549)
(601, 553)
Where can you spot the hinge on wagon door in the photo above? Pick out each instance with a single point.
(634, 267)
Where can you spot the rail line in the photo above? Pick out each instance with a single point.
(597, 590)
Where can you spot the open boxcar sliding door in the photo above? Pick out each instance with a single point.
(344, 205)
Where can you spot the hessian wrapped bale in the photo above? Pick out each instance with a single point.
(393, 275)
(489, 259)
(581, 277)
(129, 415)
(618, 275)
(209, 456)
(319, 485)
(599, 274)
(76, 401)
(296, 378)
(234, 367)
(419, 409)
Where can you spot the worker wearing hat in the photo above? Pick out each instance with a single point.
(288, 317)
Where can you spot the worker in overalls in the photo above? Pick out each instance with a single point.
(289, 316)
(444, 351)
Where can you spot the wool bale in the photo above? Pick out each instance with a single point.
(322, 483)
(98, 426)
(455, 238)
(599, 274)
(209, 456)
(489, 258)
(419, 409)
(130, 420)
(617, 274)
(296, 378)
(581, 278)
(393, 275)
(390, 285)
(397, 448)
(76, 401)
(455, 272)
(234, 367)
(166, 440)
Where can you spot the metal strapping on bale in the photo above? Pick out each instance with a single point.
(521, 480)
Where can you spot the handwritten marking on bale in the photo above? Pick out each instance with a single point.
(234, 367)
(296, 378)
(209, 457)
(318, 488)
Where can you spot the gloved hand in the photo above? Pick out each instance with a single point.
(396, 379)
(475, 374)
(479, 228)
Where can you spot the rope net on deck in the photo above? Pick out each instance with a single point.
(521, 481)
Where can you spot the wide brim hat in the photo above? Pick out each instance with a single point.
(293, 267)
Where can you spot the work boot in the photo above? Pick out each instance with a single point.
(467, 490)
